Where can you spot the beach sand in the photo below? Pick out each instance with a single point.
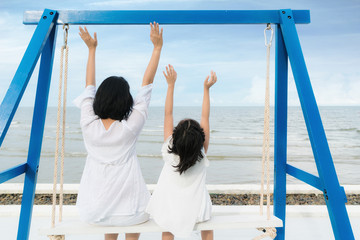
(217, 199)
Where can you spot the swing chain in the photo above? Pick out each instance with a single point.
(66, 32)
(268, 27)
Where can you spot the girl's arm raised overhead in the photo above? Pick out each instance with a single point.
(157, 40)
(170, 76)
(205, 113)
(91, 44)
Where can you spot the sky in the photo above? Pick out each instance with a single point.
(330, 45)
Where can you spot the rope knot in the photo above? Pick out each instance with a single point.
(56, 237)
(268, 232)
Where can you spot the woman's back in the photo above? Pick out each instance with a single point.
(112, 183)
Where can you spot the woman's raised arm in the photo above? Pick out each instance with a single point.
(157, 40)
(91, 43)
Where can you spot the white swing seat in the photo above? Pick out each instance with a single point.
(222, 218)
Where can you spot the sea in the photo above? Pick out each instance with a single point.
(235, 143)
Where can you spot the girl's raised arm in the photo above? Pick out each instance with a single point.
(91, 43)
(205, 113)
(170, 76)
(157, 40)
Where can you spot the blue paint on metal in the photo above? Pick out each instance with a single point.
(38, 122)
(304, 176)
(18, 85)
(324, 163)
(12, 172)
(169, 17)
(280, 138)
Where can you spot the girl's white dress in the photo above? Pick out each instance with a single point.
(180, 201)
(112, 189)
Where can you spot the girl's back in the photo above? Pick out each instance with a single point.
(180, 199)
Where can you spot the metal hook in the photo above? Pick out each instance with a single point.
(268, 27)
(66, 32)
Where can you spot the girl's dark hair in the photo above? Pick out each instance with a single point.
(113, 99)
(188, 140)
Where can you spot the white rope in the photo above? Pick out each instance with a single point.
(265, 166)
(65, 49)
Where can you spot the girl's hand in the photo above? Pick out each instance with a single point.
(88, 40)
(213, 78)
(170, 75)
(156, 35)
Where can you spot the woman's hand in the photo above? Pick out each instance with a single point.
(209, 82)
(156, 35)
(88, 40)
(170, 75)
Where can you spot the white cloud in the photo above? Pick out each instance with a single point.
(256, 93)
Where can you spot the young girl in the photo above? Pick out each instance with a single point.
(112, 190)
(180, 199)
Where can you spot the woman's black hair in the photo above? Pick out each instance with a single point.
(188, 140)
(113, 99)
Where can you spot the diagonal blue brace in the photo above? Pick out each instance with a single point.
(333, 193)
(45, 32)
(18, 85)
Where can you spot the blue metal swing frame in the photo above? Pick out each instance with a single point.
(287, 47)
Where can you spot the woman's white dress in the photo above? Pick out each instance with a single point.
(180, 201)
(112, 189)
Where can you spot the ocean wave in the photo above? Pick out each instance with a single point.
(51, 154)
(237, 157)
(152, 130)
(150, 155)
(224, 137)
(150, 141)
(10, 149)
(67, 138)
(74, 131)
(347, 129)
(256, 138)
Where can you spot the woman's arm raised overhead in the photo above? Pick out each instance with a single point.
(157, 40)
(170, 76)
(91, 43)
(205, 113)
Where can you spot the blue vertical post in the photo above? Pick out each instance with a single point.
(280, 139)
(37, 128)
(334, 195)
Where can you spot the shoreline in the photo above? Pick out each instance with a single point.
(229, 194)
(217, 199)
(73, 188)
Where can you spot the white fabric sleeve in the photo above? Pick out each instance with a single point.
(85, 103)
(138, 116)
(167, 157)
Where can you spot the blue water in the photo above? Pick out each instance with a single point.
(235, 143)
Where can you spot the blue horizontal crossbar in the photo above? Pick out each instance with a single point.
(169, 17)
(12, 172)
(304, 176)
